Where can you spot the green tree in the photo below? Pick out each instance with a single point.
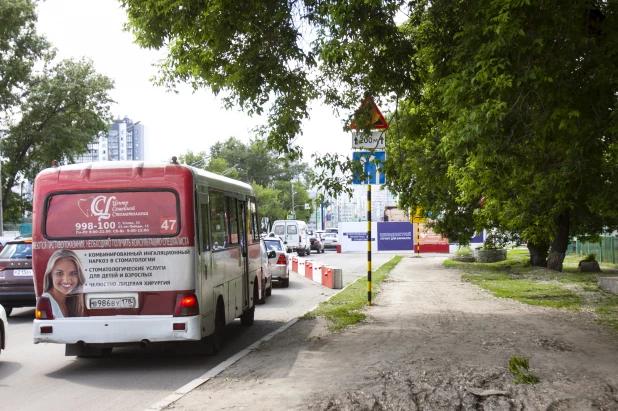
(514, 100)
(65, 107)
(20, 48)
(198, 160)
(269, 206)
(525, 114)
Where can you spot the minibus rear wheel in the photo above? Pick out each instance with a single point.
(248, 316)
(216, 338)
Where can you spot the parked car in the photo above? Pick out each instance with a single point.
(330, 240)
(16, 281)
(280, 268)
(4, 323)
(265, 279)
(332, 230)
(317, 242)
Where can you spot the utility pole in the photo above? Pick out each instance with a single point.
(293, 211)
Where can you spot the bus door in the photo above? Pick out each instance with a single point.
(242, 215)
(204, 266)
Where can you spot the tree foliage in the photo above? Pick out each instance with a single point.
(47, 114)
(270, 176)
(20, 48)
(504, 114)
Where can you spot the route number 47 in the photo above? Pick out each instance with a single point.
(168, 226)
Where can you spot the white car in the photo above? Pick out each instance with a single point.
(4, 323)
(330, 240)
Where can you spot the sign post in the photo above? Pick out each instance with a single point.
(373, 162)
(418, 220)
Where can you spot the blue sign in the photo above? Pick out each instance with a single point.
(374, 173)
(358, 236)
(396, 235)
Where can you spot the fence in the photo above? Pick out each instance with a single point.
(605, 250)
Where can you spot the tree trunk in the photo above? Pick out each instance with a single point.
(560, 243)
(538, 254)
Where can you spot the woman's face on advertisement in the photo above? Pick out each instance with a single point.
(65, 276)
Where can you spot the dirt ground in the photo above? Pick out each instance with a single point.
(431, 342)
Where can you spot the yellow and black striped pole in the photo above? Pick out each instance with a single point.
(418, 238)
(368, 244)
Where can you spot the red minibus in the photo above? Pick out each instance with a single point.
(134, 252)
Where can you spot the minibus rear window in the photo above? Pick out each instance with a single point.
(147, 213)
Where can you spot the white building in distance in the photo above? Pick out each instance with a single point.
(124, 141)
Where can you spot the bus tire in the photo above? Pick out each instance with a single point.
(248, 317)
(215, 340)
(285, 282)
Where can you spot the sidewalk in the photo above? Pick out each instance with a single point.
(431, 342)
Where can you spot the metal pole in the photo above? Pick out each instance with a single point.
(418, 239)
(293, 212)
(368, 244)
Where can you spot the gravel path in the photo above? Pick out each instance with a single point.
(431, 342)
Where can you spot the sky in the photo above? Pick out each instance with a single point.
(174, 123)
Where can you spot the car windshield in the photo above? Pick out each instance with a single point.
(273, 245)
(16, 250)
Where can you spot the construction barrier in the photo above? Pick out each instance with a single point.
(316, 275)
(328, 276)
(332, 277)
(309, 269)
(295, 264)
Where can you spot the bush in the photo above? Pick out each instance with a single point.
(590, 257)
(463, 251)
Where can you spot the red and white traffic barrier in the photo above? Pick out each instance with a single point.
(328, 276)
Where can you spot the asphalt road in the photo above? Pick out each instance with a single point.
(40, 377)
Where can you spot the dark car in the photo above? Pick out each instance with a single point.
(317, 242)
(16, 281)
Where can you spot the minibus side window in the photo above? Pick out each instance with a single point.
(203, 233)
(232, 220)
(254, 223)
(218, 221)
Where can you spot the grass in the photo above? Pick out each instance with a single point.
(515, 278)
(345, 308)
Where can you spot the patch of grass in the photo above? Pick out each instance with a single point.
(344, 309)
(570, 289)
(516, 365)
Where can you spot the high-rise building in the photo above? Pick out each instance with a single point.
(124, 141)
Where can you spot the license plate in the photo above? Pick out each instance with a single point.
(22, 273)
(101, 303)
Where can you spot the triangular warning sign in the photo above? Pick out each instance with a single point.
(370, 110)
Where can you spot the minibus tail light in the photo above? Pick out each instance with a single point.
(186, 305)
(44, 309)
(281, 259)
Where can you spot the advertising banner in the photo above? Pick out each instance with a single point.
(353, 236)
(394, 236)
(430, 241)
(118, 214)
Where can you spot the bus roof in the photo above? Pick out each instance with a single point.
(201, 176)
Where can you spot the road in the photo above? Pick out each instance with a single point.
(40, 377)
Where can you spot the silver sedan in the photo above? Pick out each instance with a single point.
(280, 263)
